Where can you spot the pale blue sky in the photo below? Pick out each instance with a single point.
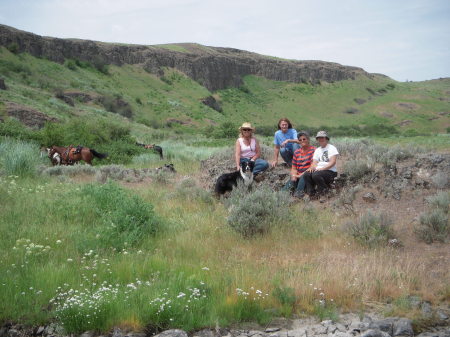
(404, 39)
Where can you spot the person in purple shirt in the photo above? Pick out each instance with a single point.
(285, 142)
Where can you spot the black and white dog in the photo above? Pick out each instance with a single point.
(227, 181)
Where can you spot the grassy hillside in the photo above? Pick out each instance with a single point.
(172, 103)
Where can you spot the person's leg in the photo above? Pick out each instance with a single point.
(323, 179)
(260, 166)
(287, 155)
(300, 189)
(309, 183)
(290, 185)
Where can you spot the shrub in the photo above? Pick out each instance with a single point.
(187, 189)
(69, 170)
(433, 226)
(116, 105)
(253, 212)
(441, 201)
(286, 297)
(347, 197)
(70, 64)
(226, 130)
(440, 180)
(18, 157)
(127, 218)
(371, 229)
(356, 169)
(13, 48)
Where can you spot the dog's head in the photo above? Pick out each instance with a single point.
(247, 167)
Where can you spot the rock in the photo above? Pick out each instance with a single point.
(2, 84)
(342, 334)
(215, 68)
(212, 103)
(385, 325)
(88, 334)
(13, 333)
(403, 327)
(39, 331)
(135, 334)
(369, 197)
(340, 327)
(374, 333)
(28, 116)
(3, 331)
(320, 330)
(442, 315)
(297, 333)
(204, 333)
(269, 330)
(173, 333)
(427, 310)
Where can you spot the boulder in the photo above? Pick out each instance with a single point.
(369, 197)
(28, 116)
(173, 333)
(403, 327)
(2, 84)
(374, 333)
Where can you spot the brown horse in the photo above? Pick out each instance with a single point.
(60, 155)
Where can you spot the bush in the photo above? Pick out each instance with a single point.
(254, 212)
(127, 218)
(188, 190)
(440, 180)
(433, 226)
(70, 64)
(441, 201)
(18, 157)
(13, 48)
(226, 130)
(286, 297)
(356, 169)
(116, 105)
(371, 229)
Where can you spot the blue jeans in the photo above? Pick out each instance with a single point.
(260, 165)
(288, 153)
(298, 186)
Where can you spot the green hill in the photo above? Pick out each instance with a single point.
(172, 102)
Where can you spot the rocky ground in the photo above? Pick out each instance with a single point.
(348, 325)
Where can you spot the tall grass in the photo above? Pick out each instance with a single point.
(19, 157)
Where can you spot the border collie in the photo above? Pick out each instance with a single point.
(227, 181)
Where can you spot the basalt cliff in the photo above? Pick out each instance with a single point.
(213, 67)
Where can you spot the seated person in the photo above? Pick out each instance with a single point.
(247, 148)
(285, 142)
(323, 169)
(301, 161)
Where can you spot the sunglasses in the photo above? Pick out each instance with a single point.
(302, 139)
(246, 129)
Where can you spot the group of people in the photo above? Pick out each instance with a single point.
(312, 169)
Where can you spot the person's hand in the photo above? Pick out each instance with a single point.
(294, 178)
(310, 170)
(284, 143)
(274, 163)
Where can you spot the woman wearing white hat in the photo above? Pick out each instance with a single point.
(323, 169)
(247, 149)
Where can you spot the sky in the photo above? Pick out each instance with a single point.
(404, 39)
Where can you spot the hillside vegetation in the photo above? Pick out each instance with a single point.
(152, 107)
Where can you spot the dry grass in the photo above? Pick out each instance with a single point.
(311, 257)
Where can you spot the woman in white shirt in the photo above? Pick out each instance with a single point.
(323, 169)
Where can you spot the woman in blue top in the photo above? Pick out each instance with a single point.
(285, 142)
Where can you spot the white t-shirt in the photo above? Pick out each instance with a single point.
(323, 155)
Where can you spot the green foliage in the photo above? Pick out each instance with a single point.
(18, 157)
(116, 105)
(13, 47)
(7, 66)
(100, 64)
(371, 229)
(127, 218)
(13, 128)
(254, 212)
(440, 201)
(188, 190)
(71, 64)
(226, 130)
(286, 297)
(326, 310)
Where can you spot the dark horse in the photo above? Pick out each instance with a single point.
(60, 155)
(153, 147)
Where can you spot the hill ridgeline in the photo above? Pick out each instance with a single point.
(213, 67)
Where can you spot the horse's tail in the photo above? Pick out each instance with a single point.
(98, 154)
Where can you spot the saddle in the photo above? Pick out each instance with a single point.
(71, 150)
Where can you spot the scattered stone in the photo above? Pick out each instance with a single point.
(427, 310)
(39, 330)
(28, 116)
(88, 334)
(269, 330)
(173, 333)
(385, 325)
(442, 315)
(135, 334)
(13, 333)
(212, 103)
(403, 327)
(374, 333)
(369, 197)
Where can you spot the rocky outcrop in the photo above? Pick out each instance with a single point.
(215, 68)
(28, 116)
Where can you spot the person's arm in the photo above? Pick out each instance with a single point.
(290, 141)
(294, 174)
(237, 154)
(330, 164)
(276, 151)
(313, 166)
(257, 150)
